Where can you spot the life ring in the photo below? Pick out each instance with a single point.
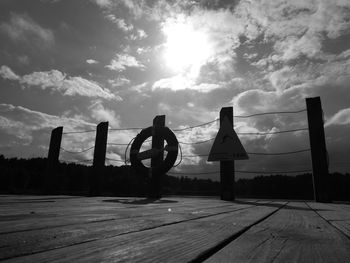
(172, 148)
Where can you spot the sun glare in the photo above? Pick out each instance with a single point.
(187, 49)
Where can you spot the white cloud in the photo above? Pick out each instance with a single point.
(22, 28)
(22, 122)
(118, 82)
(92, 61)
(122, 61)
(100, 113)
(7, 73)
(297, 27)
(56, 80)
(342, 117)
(120, 23)
(182, 83)
(103, 3)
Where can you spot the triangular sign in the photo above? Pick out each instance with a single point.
(227, 146)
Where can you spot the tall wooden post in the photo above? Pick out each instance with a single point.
(157, 143)
(318, 150)
(99, 157)
(227, 168)
(52, 159)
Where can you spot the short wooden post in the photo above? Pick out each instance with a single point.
(52, 159)
(157, 143)
(99, 157)
(227, 168)
(318, 150)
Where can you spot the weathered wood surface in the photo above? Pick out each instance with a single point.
(173, 229)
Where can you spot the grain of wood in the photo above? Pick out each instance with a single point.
(180, 242)
(293, 234)
(336, 215)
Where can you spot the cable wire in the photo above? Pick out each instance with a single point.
(276, 132)
(115, 160)
(192, 127)
(76, 152)
(242, 171)
(180, 157)
(198, 142)
(252, 153)
(71, 132)
(126, 149)
(280, 153)
(117, 144)
(125, 129)
(274, 172)
(267, 113)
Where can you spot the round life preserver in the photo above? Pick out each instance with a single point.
(172, 148)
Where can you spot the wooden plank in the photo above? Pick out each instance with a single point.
(336, 215)
(293, 234)
(24, 242)
(181, 242)
(43, 216)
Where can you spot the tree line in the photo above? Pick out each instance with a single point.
(27, 176)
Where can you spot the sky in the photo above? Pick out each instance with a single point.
(78, 63)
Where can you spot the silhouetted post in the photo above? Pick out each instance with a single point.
(99, 157)
(318, 150)
(52, 159)
(227, 168)
(157, 143)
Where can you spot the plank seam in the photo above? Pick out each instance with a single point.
(329, 222)
(93, 221)
(122, 234)
(210, 252)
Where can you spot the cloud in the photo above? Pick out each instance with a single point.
(118, 82)
(7, 73)
(91, 61)
(22, 28)
(342, 117)
(182, 83)
(100, 113)
(22, 122)
(120, 23)
(103, 3)
(122, 61)
(297, 27)
(57, 81)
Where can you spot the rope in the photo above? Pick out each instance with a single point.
(198, 142)
(252, 153)
(127, 147)
(115, 160)
(125, 129)
(248, 172)
(280, 153)
(191, 127)
(275, 172)
(117, 144)
(73, 152)
(78, 131)
(180, 157)
(267, 113)
(276, 132)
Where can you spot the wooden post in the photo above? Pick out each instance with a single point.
(227, 168)
(99, 157)
(157, 143)
(318, 149)
(52, 159)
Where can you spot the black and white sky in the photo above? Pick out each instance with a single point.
(77, 63)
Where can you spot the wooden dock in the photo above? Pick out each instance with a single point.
(172, 229)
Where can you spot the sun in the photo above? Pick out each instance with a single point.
(186, 48)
